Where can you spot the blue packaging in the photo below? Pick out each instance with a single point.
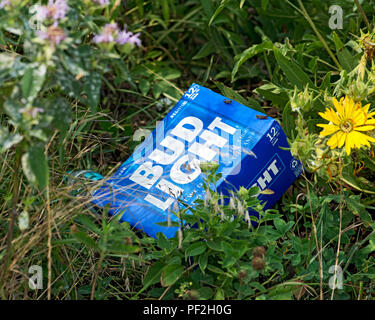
(203, 126)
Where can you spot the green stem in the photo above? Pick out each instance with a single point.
(363, 14)
(306, 15)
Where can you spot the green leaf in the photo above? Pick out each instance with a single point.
(165, 10)
(196, 249)
(282, 226)
(87, 222)
(215, 245)
(8, 139)
(163, 242)
(281, 293)
(347, 61)
(289, 124)
(293, 71)
(85, 239)
(153, 275)
(249, 53)
(358, 183)
(171, 274)
(206, 50)
(222, 5)
(35, 166)
(157, 89)
(231, 94)
(122, 248)
(144, 86)
(272, 92)
(61, 113)
(354, 204)
(32, 81)
(202, 261)
(205, 293)
(92, 87)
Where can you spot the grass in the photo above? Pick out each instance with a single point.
(325, 219)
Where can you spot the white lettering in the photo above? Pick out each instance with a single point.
(203, 150)
(217, 123)
(166, 158)
(180, 177)
(146, 175)
(188, 134)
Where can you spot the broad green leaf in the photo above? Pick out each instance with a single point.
(35, 166)
(163, 242)
(92, 87)
(293, 71)
(282, 226)
(61, 113)
(358, 183)
(122, 248)
(195, 249)
(215, 245)
(32, 81)
(347, 61)
(231, 94)
(171, 274)
(153, 275)
(144, 86)
(8, 139)
(354, 204)
(281, 293)
(272, 92)
(202, 261)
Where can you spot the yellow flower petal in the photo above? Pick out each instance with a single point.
(364, 128)
(347, 144)
(334, 140)
(328, 129)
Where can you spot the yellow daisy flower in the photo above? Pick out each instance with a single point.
(346, 124)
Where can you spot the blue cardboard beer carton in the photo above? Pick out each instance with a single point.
(202, 127)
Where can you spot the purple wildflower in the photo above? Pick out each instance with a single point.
(32, 112)
(101, 2)
(54, 34)
(107, 34)
(55, 9)
(4, 3)
(128, 37)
